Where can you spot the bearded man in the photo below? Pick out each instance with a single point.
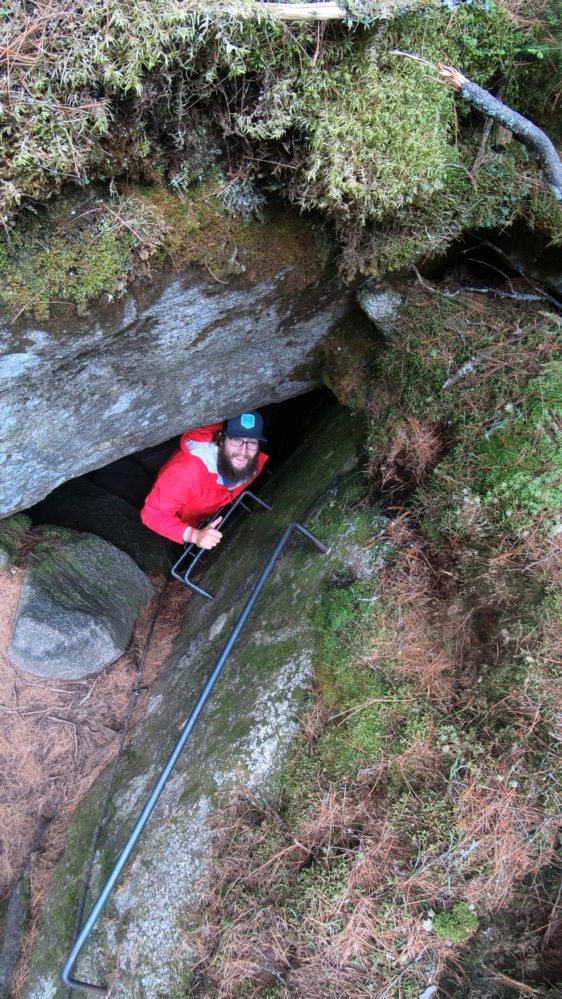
(212, 467)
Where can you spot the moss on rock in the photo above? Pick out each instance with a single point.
(69, 252)
(12, 532)
(335, 121)
(78, 605)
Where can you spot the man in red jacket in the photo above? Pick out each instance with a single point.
(213, 466)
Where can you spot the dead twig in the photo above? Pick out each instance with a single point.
(493, 108)
(502, 979)
(553, 919)
(520, 296)
(482, 355)
(28, 303)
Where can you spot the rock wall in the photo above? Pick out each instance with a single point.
(178, 351)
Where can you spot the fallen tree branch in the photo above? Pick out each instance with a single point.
(470, 366)
(305, 11)
(542, 293)
(490, 106)
(520, 296)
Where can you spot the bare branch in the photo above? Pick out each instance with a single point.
(305, 11)
(490, 106)
(520, 296)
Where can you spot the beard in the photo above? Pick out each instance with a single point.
(232, 474)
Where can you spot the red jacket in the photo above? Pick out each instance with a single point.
(188, 488)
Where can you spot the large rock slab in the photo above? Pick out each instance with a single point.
(177, 352)
(78, 605)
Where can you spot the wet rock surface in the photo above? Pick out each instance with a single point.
(78, 605)
(177, 352)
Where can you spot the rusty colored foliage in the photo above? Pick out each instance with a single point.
(413, 831)
(56, 738)
(412, 451)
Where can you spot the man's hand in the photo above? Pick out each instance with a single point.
(207, 537)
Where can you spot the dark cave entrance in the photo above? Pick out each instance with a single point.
(107, 500)
(496, 258)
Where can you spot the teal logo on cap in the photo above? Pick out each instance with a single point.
(248, 421)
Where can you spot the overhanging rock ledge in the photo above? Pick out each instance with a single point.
(177, 352)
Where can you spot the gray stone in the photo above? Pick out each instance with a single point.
(79, 602)
(83, 506)
(381, 304)
(174, 354)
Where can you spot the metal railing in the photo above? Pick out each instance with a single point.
(102, 990)
(189, 558)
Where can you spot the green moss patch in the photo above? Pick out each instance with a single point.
(519, 462)
(457, 924)
(200, 229)
(67, 255)
(12, 532)
(330, 119)
(63, 257)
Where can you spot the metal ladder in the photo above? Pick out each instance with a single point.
(189, 558)
(66, 975)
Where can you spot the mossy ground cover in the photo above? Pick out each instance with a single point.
(419, 816)
(12, 531)
(63, 256)
(324, 116)
(59, 259)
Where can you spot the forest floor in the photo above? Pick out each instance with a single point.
(414, 846)
(58, 736)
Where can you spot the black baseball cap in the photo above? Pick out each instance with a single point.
(246, 425)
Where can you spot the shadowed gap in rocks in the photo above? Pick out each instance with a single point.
(107, 501)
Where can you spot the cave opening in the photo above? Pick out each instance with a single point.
(107, 500)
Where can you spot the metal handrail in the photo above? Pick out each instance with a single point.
(194, 553)
(66, 975)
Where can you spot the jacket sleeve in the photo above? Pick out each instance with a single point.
(170, 494)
